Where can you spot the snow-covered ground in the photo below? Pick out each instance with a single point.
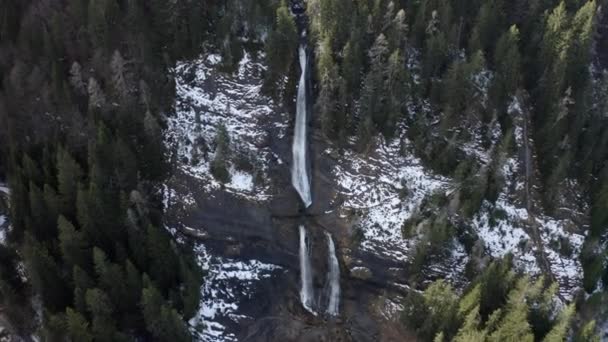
(504, 227)
(207, 98)
(506, 233)
(226, 283)
(385, 187)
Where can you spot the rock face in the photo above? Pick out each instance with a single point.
(360, 272)
(246, 232)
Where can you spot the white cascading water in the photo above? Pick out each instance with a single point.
(299, 172)
(306, 293)
(333, 308)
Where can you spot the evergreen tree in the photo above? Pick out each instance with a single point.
(100, 307)
(281, 45)
(45, 275)
(560, 330)
(219, 164)
(373, 98)
(395, 85)
(161, 321)
(69, 174)
(77, 326)
(508, 70)
(73, 244)
(327, 74)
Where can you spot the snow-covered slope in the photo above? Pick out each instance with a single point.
(385, 187)
(227, 282)
(207, 98)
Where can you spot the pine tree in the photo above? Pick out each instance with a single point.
(469, 332)
(82, 282)
(73, 244)
(582, 31)
(435, 55)
(442, 303)
(508, 66)
(327, 74)
(120, 77)
(40, 224)
(373, 98)
(76, 79)
(164, 266)
(161, 321)
(69, 174)
(219, 164)
(45, 275)
(281, 45)
(97, 25)
(560, 330)
(587, 333)
(398, 32)
(489, 24)
(352, 63)
(78, 327)
(396, 87)
(31, 170)
(100, 307)
(514, 325)
(97, 98)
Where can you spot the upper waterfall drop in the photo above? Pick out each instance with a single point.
(299, 171)
(333, 308)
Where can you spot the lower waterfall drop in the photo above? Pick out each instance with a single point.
(306, 293)
(333, 308)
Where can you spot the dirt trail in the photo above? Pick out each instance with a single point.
(533, 226)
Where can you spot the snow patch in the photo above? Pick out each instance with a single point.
(206, 98)
(226, 282)
(385, 188)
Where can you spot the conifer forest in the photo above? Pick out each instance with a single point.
(304, 170)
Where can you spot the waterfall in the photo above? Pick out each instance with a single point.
(299, 172)
(306, 293)
(333, 308)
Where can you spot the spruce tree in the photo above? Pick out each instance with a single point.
(281, 46)
(73, 244)
(327, 74)
(507, 60)
(77, 326)
(219, 164)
